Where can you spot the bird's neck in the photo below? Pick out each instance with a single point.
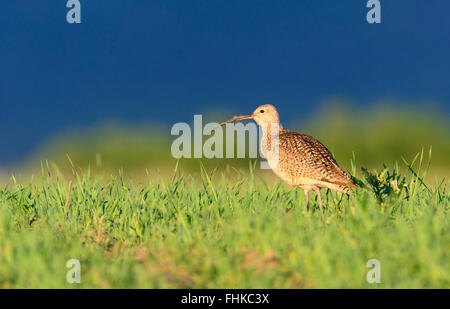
(271, 128)
(270, 133)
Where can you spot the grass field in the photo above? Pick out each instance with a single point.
(181, 232)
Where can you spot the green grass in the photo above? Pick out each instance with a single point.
(184, 233)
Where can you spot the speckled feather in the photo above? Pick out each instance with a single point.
(303, 160)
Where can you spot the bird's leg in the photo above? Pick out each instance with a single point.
(317, 190)
(307, 199)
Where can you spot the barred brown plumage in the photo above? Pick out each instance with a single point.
(298, 159)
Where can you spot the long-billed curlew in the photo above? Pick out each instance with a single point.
(298, 159)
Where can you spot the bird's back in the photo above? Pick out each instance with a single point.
(304, 160)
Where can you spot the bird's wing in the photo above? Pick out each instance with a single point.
(308, 158)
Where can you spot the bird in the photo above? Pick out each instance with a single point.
(297, 158)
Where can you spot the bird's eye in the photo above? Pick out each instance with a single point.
(261, 111)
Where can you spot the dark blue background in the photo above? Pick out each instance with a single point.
(165, 60)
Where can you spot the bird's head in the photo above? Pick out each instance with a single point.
(264, 114)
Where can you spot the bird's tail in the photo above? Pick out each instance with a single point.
(353, 185)
(342, 187)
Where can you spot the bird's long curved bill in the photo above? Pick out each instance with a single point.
(237, 118)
